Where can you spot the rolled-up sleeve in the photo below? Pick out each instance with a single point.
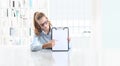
(36, 44)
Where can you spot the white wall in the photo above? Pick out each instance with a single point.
(75, 14)
(111, 23)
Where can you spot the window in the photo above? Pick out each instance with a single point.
(76, 14)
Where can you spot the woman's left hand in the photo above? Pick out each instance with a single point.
(69, 39)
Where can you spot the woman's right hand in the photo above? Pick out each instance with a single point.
(50, 44)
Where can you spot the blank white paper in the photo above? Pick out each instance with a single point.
(60, 36)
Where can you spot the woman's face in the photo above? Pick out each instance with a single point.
(44, 24)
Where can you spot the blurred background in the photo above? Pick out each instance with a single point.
(93, 23)
(16, 19)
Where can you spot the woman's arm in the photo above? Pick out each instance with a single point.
(36, 44)
(50, 44)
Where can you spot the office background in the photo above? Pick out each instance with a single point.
(16, 18)
(94, 31)
(94, 19)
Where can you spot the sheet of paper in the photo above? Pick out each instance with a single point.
(60, 36)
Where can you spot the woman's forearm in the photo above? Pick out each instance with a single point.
(46, 45)
(50, 44)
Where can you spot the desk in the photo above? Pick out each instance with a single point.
(22, 56)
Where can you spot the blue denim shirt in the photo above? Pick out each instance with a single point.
(38, 41)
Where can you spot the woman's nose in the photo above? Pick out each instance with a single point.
(45, 25)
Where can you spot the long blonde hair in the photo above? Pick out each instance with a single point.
(37, 16)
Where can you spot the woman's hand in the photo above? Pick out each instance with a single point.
(50, 44)
(69, 39)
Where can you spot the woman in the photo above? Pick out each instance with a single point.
(42, 38)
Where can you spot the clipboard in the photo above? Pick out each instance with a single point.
(60, 35)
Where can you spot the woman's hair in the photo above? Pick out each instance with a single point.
(38, 16)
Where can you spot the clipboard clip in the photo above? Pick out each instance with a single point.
(60, 28)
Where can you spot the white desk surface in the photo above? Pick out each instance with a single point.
(79, 55)
(20, 56)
